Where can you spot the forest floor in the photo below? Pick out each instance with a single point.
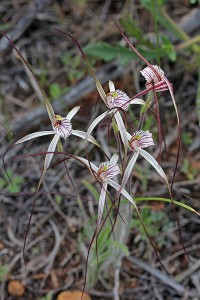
(62, 226)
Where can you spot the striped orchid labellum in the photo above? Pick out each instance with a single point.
(107, 170)
(155, 78)
(62, 126)
(141, 139)
(116, 98)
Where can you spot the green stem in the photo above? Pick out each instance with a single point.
(173, 24)
(188, 43)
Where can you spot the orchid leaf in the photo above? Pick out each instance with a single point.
(92, 189)
(138, 199)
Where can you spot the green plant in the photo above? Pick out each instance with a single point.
(47, 297)
(153, 220)
(55, 91)
(188, 169)
(128, 148)
(13, 187)
(101, 252)
(3, 271)
(187, 138)
(151, 50)
(74, 64)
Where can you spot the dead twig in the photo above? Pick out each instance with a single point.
(158, 274)
(83, 88)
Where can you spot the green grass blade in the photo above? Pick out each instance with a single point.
(138, 199)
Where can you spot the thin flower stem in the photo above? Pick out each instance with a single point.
(78, 198)
(135, 50)
(159, 125)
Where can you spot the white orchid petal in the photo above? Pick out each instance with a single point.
(100, 90)
(49, 109)
(88, 164)
(72, 112)
(94, 124)
(121, 128)
(137, 101)
(83, 134)
(116, 186)
(111, 86)
(34, 135)
(114, 159)
(172, 96)
(51, 148)
(129, 136)
(154, 164)
(102, 199)
(128, 170)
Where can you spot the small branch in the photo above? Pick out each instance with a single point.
(158, 274)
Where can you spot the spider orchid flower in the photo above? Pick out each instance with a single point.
(104, 173)
(114, 100)
(137, 142)
(62, 127)
(155, 78)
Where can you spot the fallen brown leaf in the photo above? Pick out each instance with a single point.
(16, 288)
(73, 295)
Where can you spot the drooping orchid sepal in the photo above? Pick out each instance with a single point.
(137, 142)
(155, 80)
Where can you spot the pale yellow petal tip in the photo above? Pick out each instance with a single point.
(196, 212)
(111, 86)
